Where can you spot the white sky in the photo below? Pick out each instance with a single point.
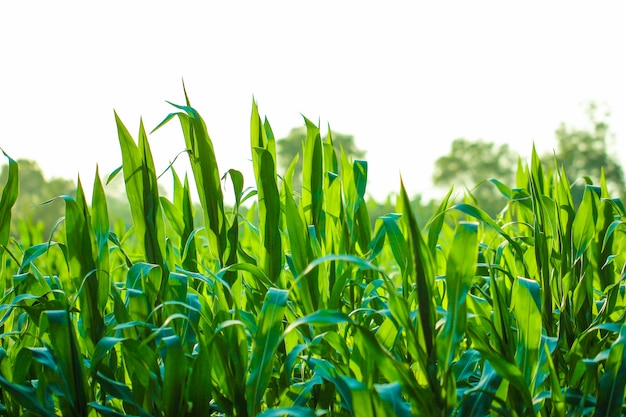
(405, 78)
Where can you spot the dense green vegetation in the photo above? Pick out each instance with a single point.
(297, 306)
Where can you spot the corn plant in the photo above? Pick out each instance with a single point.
(293, 305)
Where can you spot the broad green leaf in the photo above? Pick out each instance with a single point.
(81, 245)
(319, 318)
(32, 253)
(361, 398)
(73, 382)
(175, 376)
(424, 268)
(266, 342)
(460, 271)
(436, 223)
(391, 396)
(526, 307)
(481, 215)
(104, 346)
(207, 178)
(100, 227)
(585, 220)
(298, 235)
(9, 196)
(478, 400)
(312, 175)
(288, 411)
(502, 366)
(613, 382)
(200, 385)
(26, 397)
(422, 398)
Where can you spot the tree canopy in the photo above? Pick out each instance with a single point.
(584, 153)
(470, 163)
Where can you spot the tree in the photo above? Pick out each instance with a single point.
(34, 190)
(292, 145)
(470, 163)
(583, 153)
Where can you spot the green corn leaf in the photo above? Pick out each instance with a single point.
(207, 178)
(312, 175)
(526, 306)
(106, 410)
(200, 385)
(143, 195)
(478, 400)
(362, 399)
(557, 397)
(391, 396)
(355, 260)
(436, 223)
(264, 163)
(537, 178)
(459, 274)
(9, 196)
(502, 320)
(301, 252)
(103, 348)
(584, 223)
(44, 356)
(298, 234)
(502, 366)
(327, 371)
(319, 318)
(288, 411)
(100, 227)
(141, 365)
(481, 215)
(26, 397)
(236, 178)
(32, 253)
(81, 246)
(189, 255)
(266, 342)
(133, 178)
(174, 216)
(612, 384)
(117, 390)
(334, 214)
(503, 188)
(175, 377)
(73, 382)
(145, 278)
(421, 398)
(269, 209)
(423, 266)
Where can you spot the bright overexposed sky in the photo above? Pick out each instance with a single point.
(404, 77)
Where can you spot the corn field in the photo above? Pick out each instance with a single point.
(296, 306)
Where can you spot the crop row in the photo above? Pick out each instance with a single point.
(285, 304)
